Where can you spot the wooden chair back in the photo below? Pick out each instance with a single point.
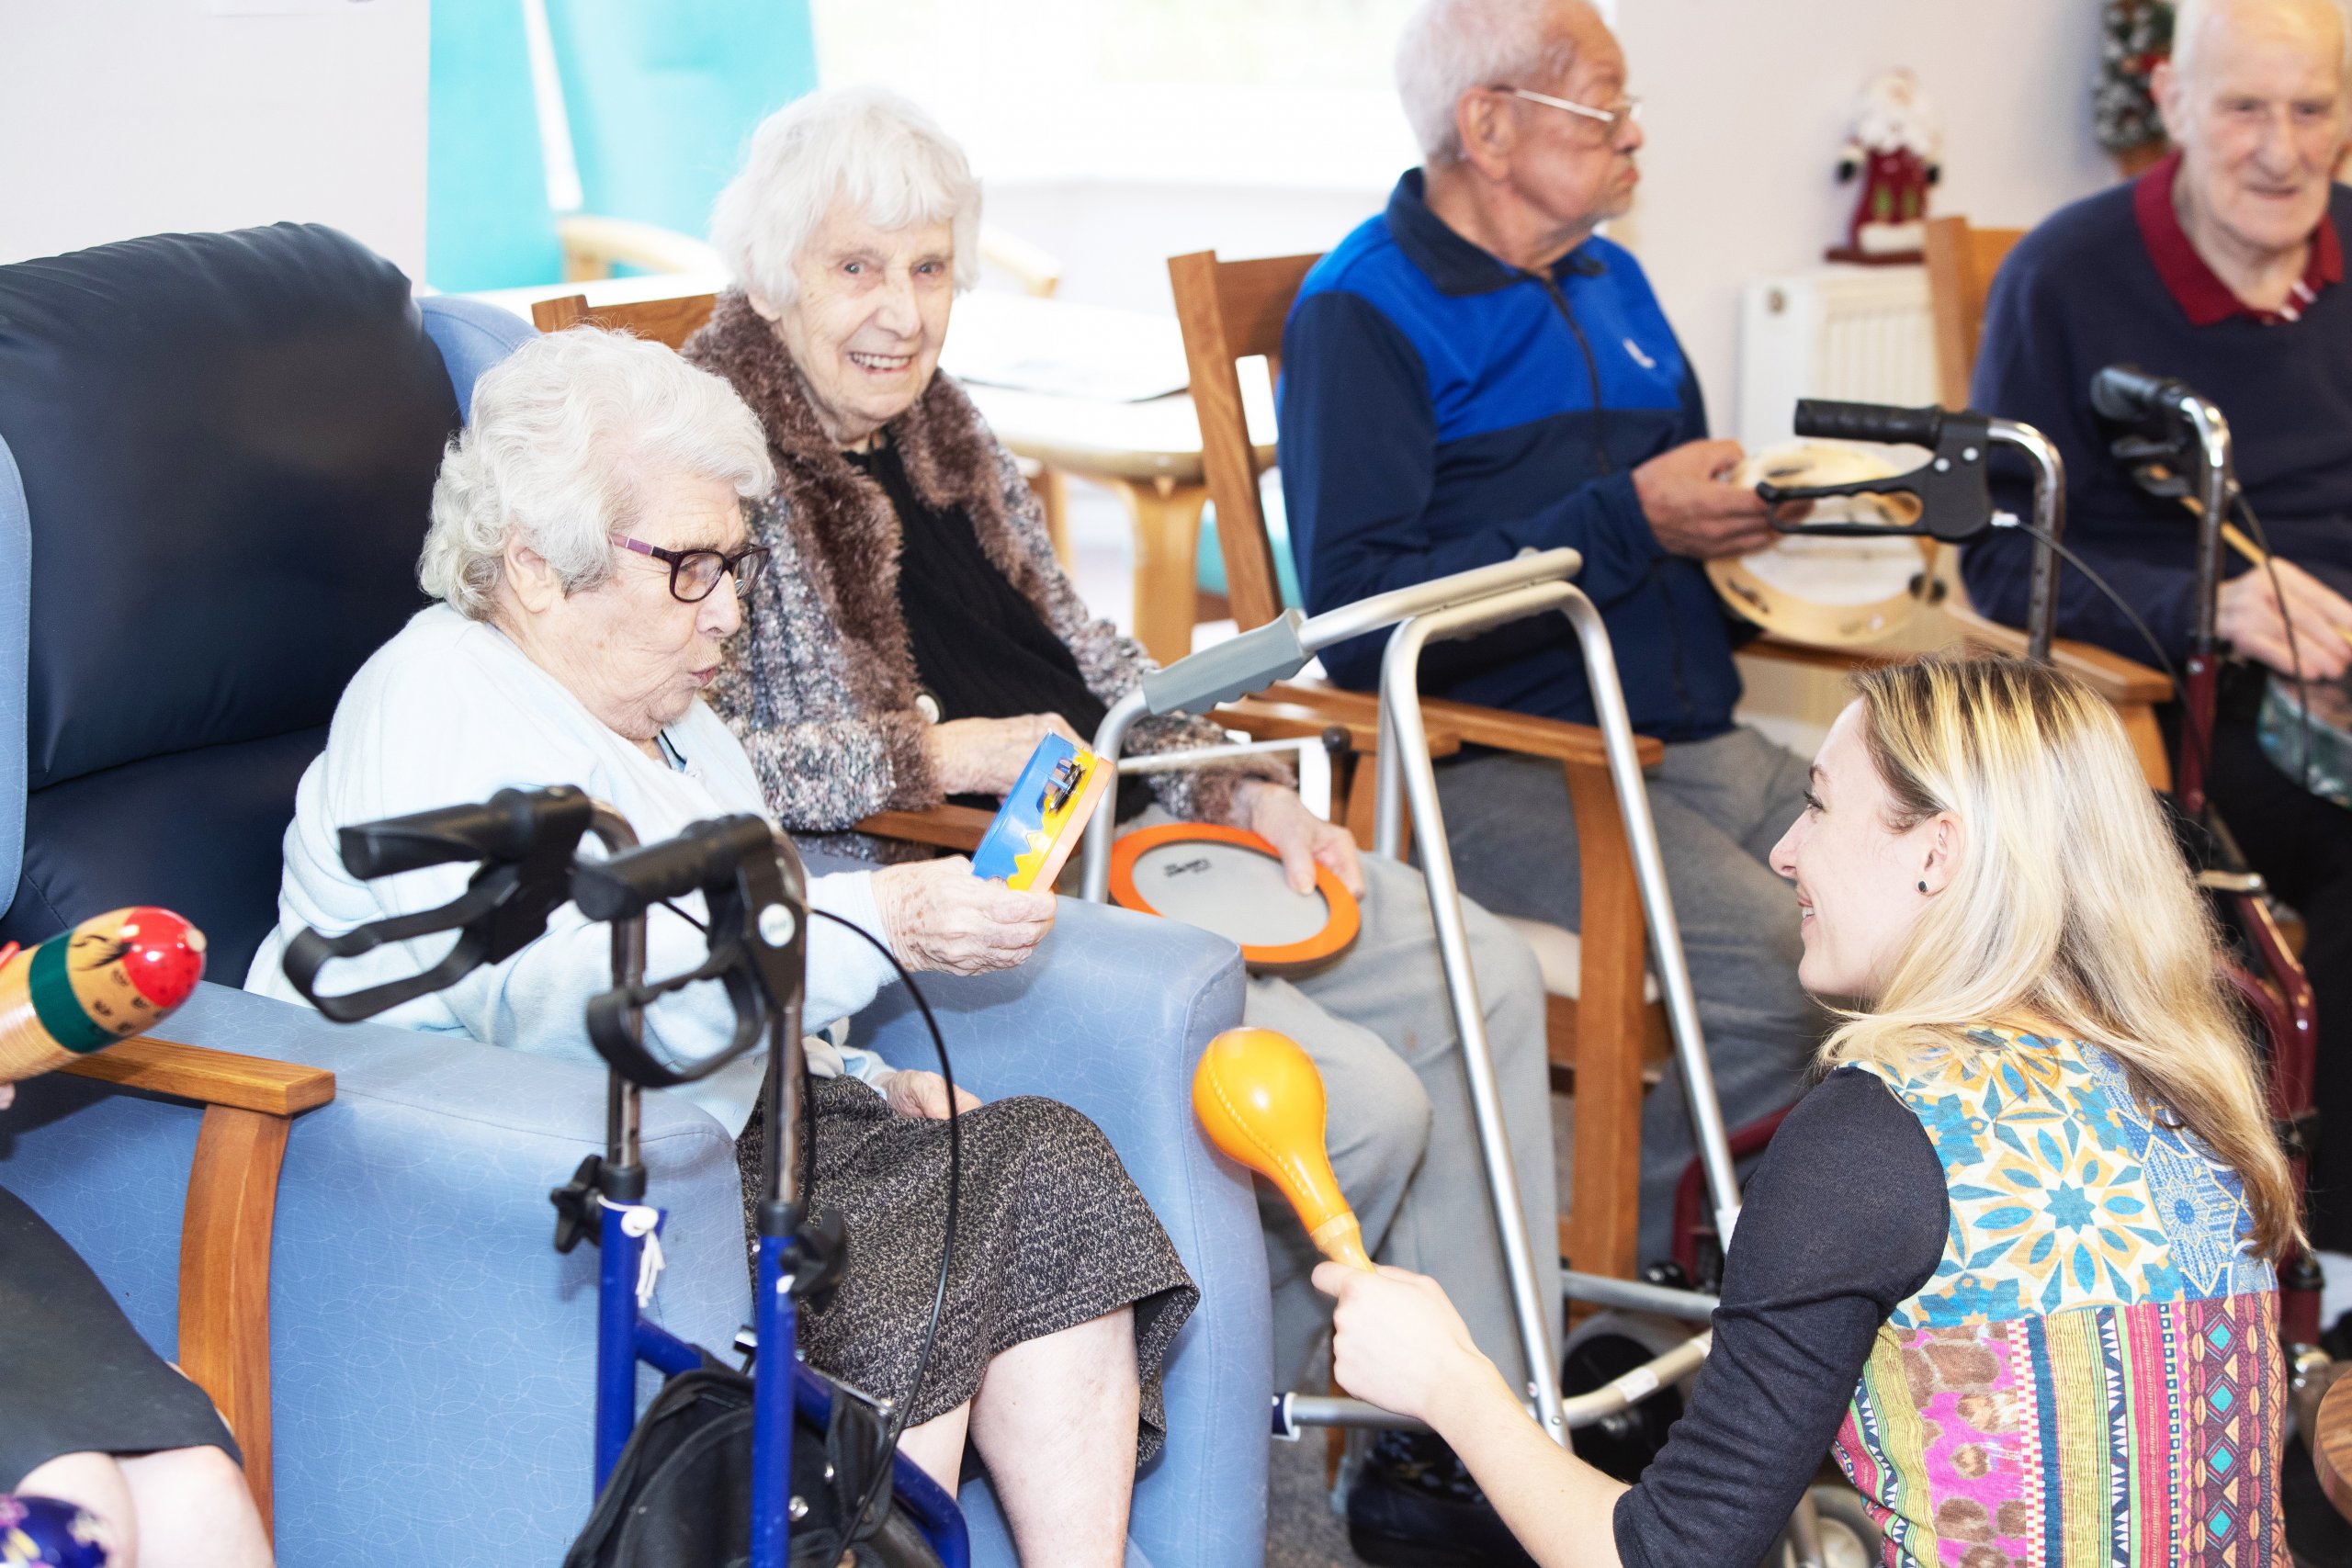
(667, 321)
(1961, 264)
(1231, 311)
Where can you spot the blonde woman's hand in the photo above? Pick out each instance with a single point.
(985, 756)
(914, 1093)
(1305, 840)
(1396, 1340)
(7, 1095)
(937, 915)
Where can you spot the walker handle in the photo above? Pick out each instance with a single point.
(1889, 426)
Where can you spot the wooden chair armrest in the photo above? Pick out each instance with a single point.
(1578, 744)
(1476, 725)
(1264, 719)
(944, 827)
(208, 1077)
(2112, 676)
(1838, 660)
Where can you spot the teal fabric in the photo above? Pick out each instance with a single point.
(1210, 576)
(660, 100)
(486, 219)
(663, 98)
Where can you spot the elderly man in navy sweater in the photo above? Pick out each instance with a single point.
(1476, 372)
(2223, 266)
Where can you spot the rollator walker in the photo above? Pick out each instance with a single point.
(523, 844)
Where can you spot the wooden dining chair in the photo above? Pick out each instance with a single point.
(1961, 262)
(250, 1105)
(1605, 1036)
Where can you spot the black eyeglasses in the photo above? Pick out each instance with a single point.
(693, 573)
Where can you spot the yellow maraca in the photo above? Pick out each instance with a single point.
(1260, 1099)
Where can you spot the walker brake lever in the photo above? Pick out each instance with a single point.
(757, 913)
(524, 840)
(1955, 501)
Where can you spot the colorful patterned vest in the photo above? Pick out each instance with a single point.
(2092, 1374)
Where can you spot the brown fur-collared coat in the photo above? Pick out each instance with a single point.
(820, 685)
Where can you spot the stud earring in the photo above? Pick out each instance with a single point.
(1923, 886)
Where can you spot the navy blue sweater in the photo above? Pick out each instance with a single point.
(2084, 291)
(1441, 411)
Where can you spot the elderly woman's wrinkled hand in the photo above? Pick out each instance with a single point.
(1304, 839)
(937, 915)
(914, 1093)
(985, 756)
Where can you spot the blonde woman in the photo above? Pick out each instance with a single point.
(2012, 1258)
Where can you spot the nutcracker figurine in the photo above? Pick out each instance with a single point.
(1894, 152)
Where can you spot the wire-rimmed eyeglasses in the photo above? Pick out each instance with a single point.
(1613, 122)
(693, 573)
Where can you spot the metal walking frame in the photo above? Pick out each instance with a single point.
(755, 894)
(1452, 607)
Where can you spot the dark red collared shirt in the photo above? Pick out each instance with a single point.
(2202, 296)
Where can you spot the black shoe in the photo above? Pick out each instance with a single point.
(1413, 1504)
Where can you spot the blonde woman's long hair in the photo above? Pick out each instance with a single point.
(2070, 910)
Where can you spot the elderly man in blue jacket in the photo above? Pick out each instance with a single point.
(1476, 372)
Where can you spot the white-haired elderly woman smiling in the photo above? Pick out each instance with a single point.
(917, 638)
(588, 549)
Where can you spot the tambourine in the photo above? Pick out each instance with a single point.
(1230, 881)
(1830, 590)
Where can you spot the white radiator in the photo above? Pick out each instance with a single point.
(1858, 334)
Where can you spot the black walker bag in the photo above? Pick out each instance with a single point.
(681, 1495)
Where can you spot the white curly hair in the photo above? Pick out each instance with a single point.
(867, 146)
(565, 431)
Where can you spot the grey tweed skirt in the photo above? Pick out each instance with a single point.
(1050, 1234)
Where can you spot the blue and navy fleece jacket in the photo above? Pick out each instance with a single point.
(1441, 410)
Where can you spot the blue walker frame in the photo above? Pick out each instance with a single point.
(524, 843)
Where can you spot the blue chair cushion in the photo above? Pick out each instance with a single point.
(226, 445)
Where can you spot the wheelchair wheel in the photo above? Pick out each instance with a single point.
(1849, 1538)
(1606, 1346)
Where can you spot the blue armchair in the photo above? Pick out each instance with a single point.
(214, 454)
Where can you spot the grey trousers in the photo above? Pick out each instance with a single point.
(1720, 805)
(1402, 1139)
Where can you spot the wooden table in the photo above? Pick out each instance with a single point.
(1148, 453)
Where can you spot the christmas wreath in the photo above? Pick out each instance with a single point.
(2133, 36)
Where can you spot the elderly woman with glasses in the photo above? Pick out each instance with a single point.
(588, 548)
(917, 638)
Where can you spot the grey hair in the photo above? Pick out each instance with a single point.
(1450, 47)
(2190, 16)
(565, 431)
(867, 146)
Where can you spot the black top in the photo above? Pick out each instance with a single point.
(1844, 1219)
(979, 646)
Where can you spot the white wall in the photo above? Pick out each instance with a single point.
(122, 118)
(1746, 103)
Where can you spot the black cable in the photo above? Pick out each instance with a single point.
(954, 1180)
(954, 1186)
(2287, 619)
(2164, 659)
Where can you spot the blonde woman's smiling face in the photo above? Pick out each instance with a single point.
(1861, 884)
